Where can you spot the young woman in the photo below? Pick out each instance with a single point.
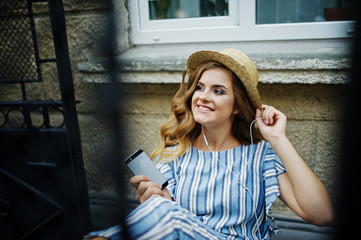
(226, 157)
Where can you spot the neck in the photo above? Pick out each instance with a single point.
(216, 140)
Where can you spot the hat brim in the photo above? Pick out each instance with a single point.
(249, 84)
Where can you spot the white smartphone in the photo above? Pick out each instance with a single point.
(140, 164)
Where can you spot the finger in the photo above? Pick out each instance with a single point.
(258, 113)
(143, 187)
(259, 118)
(270, 115)
(166, 194)
(151, 191)
(137, 179)
(264, 106)
(266, 110)
(266, 114)
(154, 195)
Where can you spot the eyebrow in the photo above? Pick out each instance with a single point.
(214, 86)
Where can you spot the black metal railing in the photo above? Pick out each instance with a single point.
(43, 192)
(44, 115)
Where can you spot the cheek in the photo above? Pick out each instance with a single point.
(194, 99)
(230, 106)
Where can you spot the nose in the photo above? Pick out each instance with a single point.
(205, 96)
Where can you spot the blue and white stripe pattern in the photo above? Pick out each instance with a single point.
(230, 192)
(112, 233)
(218, 195)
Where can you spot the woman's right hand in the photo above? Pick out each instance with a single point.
(147, 189)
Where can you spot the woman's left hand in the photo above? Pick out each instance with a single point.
(273, 124)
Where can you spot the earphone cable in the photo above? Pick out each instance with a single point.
(237, 175)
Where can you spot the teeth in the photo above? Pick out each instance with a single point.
(204, 108)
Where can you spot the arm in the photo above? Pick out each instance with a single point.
(300, 189)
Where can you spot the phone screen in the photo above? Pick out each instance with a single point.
(140, 164)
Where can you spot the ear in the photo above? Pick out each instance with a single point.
(235, 110)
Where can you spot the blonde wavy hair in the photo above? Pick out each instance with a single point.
(181, 128)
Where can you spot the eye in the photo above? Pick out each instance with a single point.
(219, 91)
(199, 88)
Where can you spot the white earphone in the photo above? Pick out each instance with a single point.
(237, 175)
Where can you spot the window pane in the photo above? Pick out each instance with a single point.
(294, 11)
(169, 9)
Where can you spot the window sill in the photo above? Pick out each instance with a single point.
(285, 62)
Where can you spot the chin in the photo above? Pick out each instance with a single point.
(203, 120)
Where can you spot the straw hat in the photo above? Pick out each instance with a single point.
(237, 62)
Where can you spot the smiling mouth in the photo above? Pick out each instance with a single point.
(204, 108)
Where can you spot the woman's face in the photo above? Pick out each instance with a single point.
(213, 99)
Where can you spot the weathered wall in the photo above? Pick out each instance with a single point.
(314, 110)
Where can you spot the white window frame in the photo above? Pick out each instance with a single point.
(240, 25)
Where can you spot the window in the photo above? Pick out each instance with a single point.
(160, 9)
(299, 11)
(182, 21)
(156, 16)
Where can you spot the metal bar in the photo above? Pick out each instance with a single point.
(33, 103)
(23, 91)
(59, 208)
(41, 224)
(57, 18)
(26, 110)
(31, 189)
(35, 40)
(29, 80)
(37, 129)
(42, 164)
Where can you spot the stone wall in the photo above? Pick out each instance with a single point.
(309, 90)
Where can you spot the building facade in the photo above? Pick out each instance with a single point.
(303, 63)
